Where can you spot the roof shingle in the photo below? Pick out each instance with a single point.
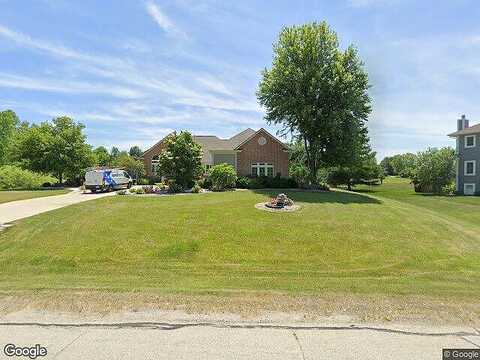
(475, 129)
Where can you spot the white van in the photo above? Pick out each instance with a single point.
(107, 180)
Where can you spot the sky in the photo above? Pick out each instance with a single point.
(133, 71)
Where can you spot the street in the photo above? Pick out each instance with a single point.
(224, 340)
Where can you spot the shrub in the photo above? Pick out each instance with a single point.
(300, 173)
(223, 176)
(149, 189)
(143, 181)
(261, 182)
(139, 191)
(16, 178)
(132, 190)
(242, 183)
(449, 189)
(196, 189)
(173, 187)
(434, 169)
(205, 183)
(122, 192)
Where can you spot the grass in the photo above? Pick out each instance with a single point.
(7, 196)
(389, 241)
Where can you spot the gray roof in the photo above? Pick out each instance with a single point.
(475, 129)
(211, 142)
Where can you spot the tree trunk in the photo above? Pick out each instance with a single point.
(311, 163)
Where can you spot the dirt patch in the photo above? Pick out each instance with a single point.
(253, 306)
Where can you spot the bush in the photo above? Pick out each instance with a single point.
(122, 192)
(261, 182)
(449, 189)
(139, 191)
(205, 183)
(16, 178)
(173, 187)
(223, 176)
(149, 189)
(434, 169)
(132, 190)
(196, 189)
(242, 183)
(143, 181)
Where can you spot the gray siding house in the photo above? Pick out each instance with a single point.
(468, 157)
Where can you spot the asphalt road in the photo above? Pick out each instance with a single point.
(151, 340)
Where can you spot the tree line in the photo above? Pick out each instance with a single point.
(58, 148)
(431, 171)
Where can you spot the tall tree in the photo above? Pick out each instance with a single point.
(136, 152)
(102, 156)
(8, 124)
(114, 153)
(319, 94)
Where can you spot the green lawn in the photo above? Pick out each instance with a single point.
(389, 241)
(7, 196)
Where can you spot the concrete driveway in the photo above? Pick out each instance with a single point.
(134, 336)
(16, 210)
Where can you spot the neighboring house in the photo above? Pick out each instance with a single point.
(468, 157)
(250, 152)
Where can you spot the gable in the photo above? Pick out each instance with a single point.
(257, 137)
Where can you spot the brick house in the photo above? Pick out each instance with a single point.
(250, 152)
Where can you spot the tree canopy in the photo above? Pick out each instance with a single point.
(135, 152)
(318, 93)
(58, 147)
(102, 156)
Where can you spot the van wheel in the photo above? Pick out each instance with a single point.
(93, 191)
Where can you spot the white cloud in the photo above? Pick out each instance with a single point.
(28, 83)
(155, 96)
(56, 50)
(162, 20)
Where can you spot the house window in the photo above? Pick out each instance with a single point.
(155, 164)
(470, 141)
(469, 189)
(262, 169)
(470, 167)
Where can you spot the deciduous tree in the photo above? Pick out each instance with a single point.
(181, 160)
(318, 93)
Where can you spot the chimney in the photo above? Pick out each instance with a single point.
(462, 123)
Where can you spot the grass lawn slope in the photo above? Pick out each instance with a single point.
(389, 241)
(7, 196)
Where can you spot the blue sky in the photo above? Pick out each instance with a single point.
(132, 71)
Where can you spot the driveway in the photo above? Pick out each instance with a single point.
(135, 336)
(17, 210)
